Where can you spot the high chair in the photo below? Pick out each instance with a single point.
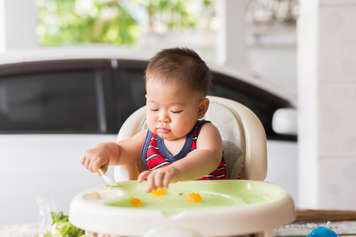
(266, 206)
(243, 135)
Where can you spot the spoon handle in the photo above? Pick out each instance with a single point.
(106, 178)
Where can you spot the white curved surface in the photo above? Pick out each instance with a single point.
(93, 215)
(285, 121)
(243, 135)
(171, 231)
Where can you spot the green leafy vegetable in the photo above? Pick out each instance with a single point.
(61, 227)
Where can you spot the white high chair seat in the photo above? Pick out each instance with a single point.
(244, 139)
(243, 136)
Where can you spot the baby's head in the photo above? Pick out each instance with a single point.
(182, 66)
(177, 81)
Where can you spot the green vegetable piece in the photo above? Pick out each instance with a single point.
(64, 227)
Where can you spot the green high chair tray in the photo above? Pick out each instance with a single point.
(197, 208)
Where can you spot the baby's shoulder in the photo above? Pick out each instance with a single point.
(139, 136)
(209, 136)
(208, 127)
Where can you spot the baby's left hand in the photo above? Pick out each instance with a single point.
(159, 178)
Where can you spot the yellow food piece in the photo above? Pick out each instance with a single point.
(159, 192)
(194, 197)
(136, 202)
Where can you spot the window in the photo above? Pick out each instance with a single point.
(58, 102)
(98, 95)
(128, 93)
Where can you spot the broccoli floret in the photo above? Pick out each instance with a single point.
(61, 227)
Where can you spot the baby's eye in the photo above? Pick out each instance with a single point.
(176, 111)
(153, 109)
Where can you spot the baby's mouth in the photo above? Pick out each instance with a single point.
(163, 130)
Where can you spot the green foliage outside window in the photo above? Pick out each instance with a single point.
(73, 22)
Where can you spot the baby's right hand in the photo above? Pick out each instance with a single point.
(97, 157)
(159, 178)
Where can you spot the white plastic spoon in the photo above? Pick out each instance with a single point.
(106, 178)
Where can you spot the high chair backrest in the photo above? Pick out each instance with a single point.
(243, 136)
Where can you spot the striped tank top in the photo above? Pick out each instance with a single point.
(155, 154)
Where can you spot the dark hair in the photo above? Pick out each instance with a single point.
(180, 65)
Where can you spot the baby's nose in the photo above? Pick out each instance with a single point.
(163, 117)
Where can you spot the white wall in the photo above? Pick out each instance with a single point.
(327, 96)
(231, 42)
(18, 22)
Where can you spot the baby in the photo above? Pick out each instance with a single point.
(177, 145)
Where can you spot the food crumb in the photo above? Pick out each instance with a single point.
(136, 202)
(265, 196)
(92, 196)
(194, 197)
(158, 192)
(180, 194)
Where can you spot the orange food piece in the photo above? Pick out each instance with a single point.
(158, 192)
(136, 202)
(194, 197)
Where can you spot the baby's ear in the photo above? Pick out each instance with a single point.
(203, 107)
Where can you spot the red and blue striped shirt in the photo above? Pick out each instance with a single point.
(155, 154)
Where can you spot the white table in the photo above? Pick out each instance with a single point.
(19, 230)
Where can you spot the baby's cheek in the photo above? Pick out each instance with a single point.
(183, 128)
(150, 124)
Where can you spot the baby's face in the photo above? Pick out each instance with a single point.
(172, 109)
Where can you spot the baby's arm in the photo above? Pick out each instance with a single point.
(195, 165)
(126, 152)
